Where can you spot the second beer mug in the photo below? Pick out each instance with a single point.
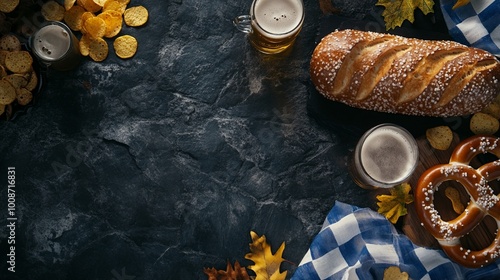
(272, 25)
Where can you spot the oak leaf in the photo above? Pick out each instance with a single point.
(236, 273)
(397, 11)
(393, 206)
(266, 264)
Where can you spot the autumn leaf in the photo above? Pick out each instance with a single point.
(266, 264)
(397, 11)
(236, 273)
(393, 206)
(460, 3)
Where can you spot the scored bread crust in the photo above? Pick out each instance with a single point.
(394, 74)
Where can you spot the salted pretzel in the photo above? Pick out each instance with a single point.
(483, 200)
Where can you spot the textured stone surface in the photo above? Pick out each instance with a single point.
(161, 165)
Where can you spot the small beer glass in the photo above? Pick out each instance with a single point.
(273, 25)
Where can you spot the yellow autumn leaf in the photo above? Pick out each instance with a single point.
(266, 264)
(393, 206)
(397, 11)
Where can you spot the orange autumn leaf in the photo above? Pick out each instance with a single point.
(266, 264)
(236, 273)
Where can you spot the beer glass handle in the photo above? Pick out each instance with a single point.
(243, 23)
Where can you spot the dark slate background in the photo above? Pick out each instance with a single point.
(158, 166)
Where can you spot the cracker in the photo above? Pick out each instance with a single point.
(16, 80)
(33, 81)
(125, 46)
(98, 49)
(8, 6)
(53, 11)
(10, 43)
(136, 16)
(7, 93)
(482, 123)
(439, 137)
(23, 96)
(18, 61)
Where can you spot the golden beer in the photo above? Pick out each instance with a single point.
(273, 25)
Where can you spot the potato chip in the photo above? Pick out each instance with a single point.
(3, 54)
(136, 16)
(73, 18)
(100, 2)
(95, 27)
(493, 109)
(33, 81)
(8, 6)
(7, 92)
(18, 61)
(86, 16)
(482, 123)
(52, 11)
(84, 45)
(2, 109)
(68, 4)
(16, 80)
(98, 49)
(90, 6)
(115, 6)
(125, 46)
(394, 273)
(23, 96)
(10, 43)
(3, 72)
(439, 137)
(113, 21)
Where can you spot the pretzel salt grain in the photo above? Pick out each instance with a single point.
(483, 200)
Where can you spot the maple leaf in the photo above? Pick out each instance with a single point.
(397, 11)
(393, 206)
(236, 273)
(266, 264)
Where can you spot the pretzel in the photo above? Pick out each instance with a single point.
(483, 200)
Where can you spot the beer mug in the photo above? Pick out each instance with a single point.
(384, 157)
(272, 25)
(55, 46)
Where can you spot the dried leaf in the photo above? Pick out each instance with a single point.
(460, 3)
(236, 273)
(397, 11)
(266, 264)
(393, 206)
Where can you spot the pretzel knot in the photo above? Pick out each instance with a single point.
(483, 200)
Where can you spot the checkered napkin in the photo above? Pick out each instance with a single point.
(359, 243)
(476, 24)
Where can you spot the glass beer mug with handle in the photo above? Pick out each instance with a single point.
(273, 25)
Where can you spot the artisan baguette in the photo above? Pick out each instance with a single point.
(393, 74)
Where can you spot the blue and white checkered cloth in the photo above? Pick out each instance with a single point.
(476, 24)
(359, 243)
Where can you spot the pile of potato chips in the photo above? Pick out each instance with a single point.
(97, 20)
(18, 79)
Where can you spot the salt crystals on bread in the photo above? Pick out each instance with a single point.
(393, 74)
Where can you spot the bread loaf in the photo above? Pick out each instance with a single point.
(393, 74)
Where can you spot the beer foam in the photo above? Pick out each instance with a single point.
(387, 155)
(51, 42)
(278, 17)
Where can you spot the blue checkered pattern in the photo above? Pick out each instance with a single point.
(359, 243)
(476, 24)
